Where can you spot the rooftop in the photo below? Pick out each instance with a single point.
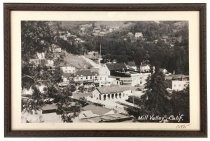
(116, 66)
(177, 77)
(87, 72)
(68, 75)
(108, 118)
(114, 89)
(96, 109)
(49, 107)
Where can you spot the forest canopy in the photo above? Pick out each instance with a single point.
(164, 44)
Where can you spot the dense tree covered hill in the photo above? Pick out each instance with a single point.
(164, 44)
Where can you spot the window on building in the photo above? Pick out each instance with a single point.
(86, 77)
(115, 95)
(104, 97)
(112, 96)
(99, 97)
(90, 77)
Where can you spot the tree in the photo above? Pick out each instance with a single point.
(56, 76)
(36, 101)
(180, 104)
(156, 95)
(36, 36)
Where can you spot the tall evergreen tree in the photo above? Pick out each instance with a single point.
(156, 95)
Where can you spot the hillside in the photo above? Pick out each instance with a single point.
(77, 61)
(163, 43)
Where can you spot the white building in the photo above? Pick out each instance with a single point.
(131, 66)
(145, 68)
(130, 34)
(113, 93)
(178, 82)
(87, 75)
(42, 88)
(50, 63)
(104, 74)
(68, 69)
(179, 85)
(40, 55)
(135, 79)
(138, 34)
(27, 92)
(143, 78)
(55, 48)
(37, 62)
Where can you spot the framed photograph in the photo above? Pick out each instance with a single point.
(105, 70)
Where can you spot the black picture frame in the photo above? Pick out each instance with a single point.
(9, 7)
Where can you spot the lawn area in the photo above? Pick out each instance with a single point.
(76, 61)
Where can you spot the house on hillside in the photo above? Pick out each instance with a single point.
(49, 63)
(138, 35)
(131, 66)
(39, 59)
(27, 92)
(36, 61)
(144, 68)
(40, 55)
(68, 69)
(130, 34)
(42, 87)
(56, 50)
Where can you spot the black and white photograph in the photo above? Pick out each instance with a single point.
(105, 71)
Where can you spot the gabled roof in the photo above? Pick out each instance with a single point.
(114, 89)
(87, 72)
(116, 66)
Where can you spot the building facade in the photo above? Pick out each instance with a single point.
(179, 85)
(113, 93)
(68, 69)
